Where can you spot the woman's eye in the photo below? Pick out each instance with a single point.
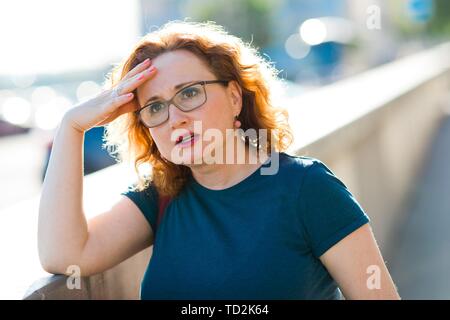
(189, 93)
(156, 107)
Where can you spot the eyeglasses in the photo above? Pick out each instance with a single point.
(186, 99)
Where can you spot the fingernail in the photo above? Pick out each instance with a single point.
(146, 72)
(146, 61)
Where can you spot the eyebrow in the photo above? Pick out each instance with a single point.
(178, 86)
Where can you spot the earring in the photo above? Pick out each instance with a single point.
(237, 123)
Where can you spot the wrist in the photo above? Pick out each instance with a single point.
(68, 122)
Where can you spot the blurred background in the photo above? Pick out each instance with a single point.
(55, 54)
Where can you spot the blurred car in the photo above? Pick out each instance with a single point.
(7, 129)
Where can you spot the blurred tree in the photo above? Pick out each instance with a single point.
(410, 25)
(439, 24)
(252, 20)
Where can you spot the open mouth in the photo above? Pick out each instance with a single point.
(186, 139)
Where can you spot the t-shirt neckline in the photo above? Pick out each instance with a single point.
(236, 187)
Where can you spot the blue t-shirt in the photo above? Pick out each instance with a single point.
(259, 239)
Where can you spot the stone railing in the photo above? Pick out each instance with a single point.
(373, 130)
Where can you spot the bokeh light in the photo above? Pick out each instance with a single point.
(313, 31)
(17, 110)
(296, 47)
(87, 90)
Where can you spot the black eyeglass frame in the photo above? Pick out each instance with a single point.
(167, 103)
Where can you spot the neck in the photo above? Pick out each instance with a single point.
(222, 176)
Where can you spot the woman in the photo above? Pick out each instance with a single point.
(228, 229)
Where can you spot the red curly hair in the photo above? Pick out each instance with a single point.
(227, 57)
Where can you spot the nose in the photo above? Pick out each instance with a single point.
(176, 117)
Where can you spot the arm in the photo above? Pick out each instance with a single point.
(62, 226)
(357, 266)
(65, 237)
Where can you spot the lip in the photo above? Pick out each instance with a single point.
(188, 143)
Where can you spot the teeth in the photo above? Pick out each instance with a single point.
(187, 138)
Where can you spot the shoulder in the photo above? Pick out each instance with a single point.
(313, 178)
(327, 209)
(296, 161)
(146, 197)
(299, 168)
(146, 200)
(294, 172)
(149, 191)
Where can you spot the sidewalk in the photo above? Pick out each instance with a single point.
(421, 268)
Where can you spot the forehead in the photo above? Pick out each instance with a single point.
(173, 68)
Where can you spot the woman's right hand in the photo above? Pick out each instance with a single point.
(111, 103)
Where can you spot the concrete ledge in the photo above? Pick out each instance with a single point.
(120, 282)
(55, 288)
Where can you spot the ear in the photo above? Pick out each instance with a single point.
(235, 93)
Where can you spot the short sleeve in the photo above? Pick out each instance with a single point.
(147, 201)
(329, 212)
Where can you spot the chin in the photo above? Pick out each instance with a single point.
(188, 158)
